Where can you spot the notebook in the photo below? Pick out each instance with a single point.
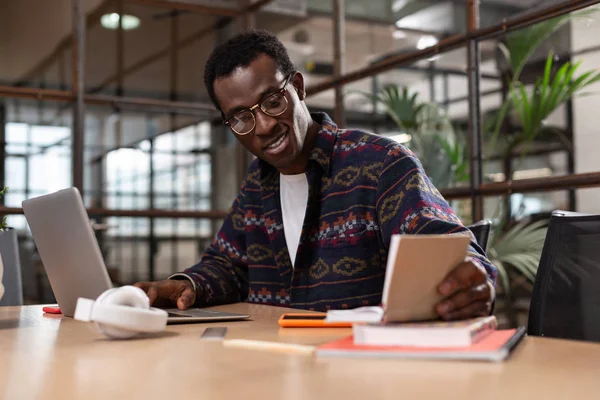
(416, 265)
(496, 346)
(425, 334)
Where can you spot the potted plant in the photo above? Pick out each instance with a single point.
(11, 291)
(515, 246)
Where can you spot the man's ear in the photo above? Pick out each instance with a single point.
(298, 82)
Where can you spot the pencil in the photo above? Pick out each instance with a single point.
(270, 346)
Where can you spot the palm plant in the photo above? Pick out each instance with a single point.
(547, 95)
(549, 92)
(533, 107)
(433, 137)
(399, 105)
(520, 247)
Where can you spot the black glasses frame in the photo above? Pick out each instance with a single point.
(259, 105)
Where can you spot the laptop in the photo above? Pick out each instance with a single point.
(71, 256)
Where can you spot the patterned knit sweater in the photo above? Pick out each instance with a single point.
(362, 189)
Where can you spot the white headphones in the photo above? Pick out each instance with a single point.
(122, 313)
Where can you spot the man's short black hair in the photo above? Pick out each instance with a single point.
(240, 51)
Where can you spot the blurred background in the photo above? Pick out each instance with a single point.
(497, 97)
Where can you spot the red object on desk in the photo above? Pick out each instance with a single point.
(496, 346)
(51, 310)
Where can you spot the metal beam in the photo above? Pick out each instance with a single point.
(173, 106)
(120, 50)
(255, 6)
(191, 7)
(36, 94)
(133, 103)
(106, 212)
(91, 20)
(474, 123)
(437, 70)
(454, 42)
(416, 6)
(2, 148)
(78, 133)
(173, 67)
(160, 54)
(246, 21)
(377, 22)
(546, 184)
(339, 54)
(187, 41)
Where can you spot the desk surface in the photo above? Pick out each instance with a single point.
(51, 357)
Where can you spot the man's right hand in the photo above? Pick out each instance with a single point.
(169, 293)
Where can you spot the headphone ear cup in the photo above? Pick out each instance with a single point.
(122, 313)
(129, 296)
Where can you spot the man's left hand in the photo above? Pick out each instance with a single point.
(467, 292)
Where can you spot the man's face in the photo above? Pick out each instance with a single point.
(278, 139)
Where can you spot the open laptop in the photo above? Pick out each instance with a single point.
(71, 256)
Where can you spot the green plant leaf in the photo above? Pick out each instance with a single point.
(520, 248)
(503, 279)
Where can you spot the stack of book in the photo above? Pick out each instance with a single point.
(473, 339)
(405, 324)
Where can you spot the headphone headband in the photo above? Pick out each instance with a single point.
(122, 313)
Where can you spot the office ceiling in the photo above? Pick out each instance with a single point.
(33, 29)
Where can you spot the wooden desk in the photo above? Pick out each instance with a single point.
(49, 357)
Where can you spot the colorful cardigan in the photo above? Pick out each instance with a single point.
(362, 189)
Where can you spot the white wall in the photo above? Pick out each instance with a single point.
(585, 34)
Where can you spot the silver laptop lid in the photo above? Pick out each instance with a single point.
(67, 246)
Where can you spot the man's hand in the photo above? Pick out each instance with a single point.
(169, 292)
(467, 293)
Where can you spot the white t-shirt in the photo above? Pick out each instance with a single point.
(294, 198)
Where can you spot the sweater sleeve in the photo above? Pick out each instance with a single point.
(408, 203)
(221, 276)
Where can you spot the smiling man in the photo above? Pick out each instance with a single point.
(312, 223)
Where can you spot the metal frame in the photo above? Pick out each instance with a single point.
(79, 38)
(339, 52)
(474, 123)
(454, 42)
(79, 98)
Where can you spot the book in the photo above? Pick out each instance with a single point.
(416, 265)
(357, 315)
(425, 334)
(496, 346)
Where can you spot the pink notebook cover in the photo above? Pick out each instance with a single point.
(494, 347)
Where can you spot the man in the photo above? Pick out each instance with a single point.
(312, 223)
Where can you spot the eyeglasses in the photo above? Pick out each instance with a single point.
(273, 105)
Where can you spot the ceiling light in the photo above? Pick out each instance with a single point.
(398, 34)
(426, 41)
(111, 21)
